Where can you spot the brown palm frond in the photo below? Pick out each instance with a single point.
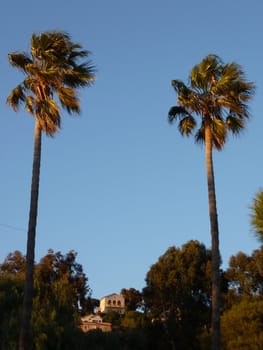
(219, 133)
(30, 105)
(235, 124)
(68, 99)
(16, 97)
(47, 113)
(187, 125)
(176, 112)
(200, 135)
(19, 60)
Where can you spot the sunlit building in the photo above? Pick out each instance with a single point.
(93, 322)
(112, 302)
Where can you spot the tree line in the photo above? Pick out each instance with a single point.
(213, 105)
(172, 311)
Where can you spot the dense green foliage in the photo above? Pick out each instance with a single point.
(60, 294)
(178, 293)
(174, 305)
(133, 299)
(242, 326)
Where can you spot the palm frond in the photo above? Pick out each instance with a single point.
(175, 112)
(204, 74)
(81, 76)
(235, 124)
(232, 81)
(219, 133)
(68, 100)
(187, 125)
(51, 49)
(30, 105)
(47, 113)
(19, 60)
(180, 87)
(16, 97)
(75, 55)
(29, 83)
(200, 135)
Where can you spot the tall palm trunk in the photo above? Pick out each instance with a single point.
(24, 341)
(214, 239)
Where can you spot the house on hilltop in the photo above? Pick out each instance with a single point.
(92, 322)
(113, 302)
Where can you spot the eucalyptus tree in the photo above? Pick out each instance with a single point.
(257, 215)
(54, 70)
(217, 96)
(178, 294)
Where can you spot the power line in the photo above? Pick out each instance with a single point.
(13, 227)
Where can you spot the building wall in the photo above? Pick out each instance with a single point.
(112, 302)
(92, 322)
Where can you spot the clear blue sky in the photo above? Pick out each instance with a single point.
(118, 184)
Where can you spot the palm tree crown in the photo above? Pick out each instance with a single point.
(218, 94)
(52, 68)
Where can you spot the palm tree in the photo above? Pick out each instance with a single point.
(217, 93)
(53, 75)
(257, 215)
